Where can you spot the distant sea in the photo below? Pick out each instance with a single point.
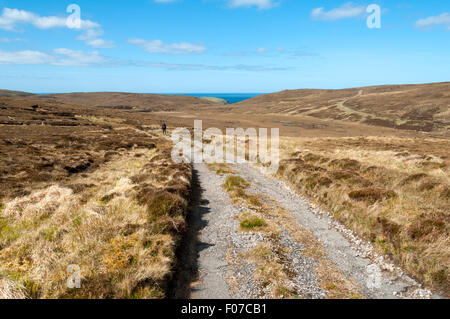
(229, 97)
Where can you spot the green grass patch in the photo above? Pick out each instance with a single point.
(252, 223)
(8, 233)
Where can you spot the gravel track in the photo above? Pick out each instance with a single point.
(222, 273)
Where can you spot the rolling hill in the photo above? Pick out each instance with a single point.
(9, 93)
(398, 108)
(134, 101)
(424, 107)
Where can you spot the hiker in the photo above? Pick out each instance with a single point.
(164, 128)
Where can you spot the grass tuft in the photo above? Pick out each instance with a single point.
(235, 183)
(371, 194)
(252, 222)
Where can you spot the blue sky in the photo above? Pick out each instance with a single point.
(220, 46)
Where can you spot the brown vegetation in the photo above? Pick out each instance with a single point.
(82, 186)
(396, 199)
(404, 107)
(135, 102)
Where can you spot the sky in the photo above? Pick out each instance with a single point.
(220, 46)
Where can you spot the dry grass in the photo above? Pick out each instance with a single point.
(10, 289)
(236, 187)
(121, 229)
(220, 168)
(272, 269)
(399, 200)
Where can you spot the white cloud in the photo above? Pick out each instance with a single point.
(203, 67)
(258, 51)
(347, 10)
(262, 51)
(430, 22)
(92, 38)
(68, 57)
(157, 46)
(59, 57)
(90, 34)
(10, 19)
(260, 4)
(100, 43)
(24, 57)
(73, 58)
